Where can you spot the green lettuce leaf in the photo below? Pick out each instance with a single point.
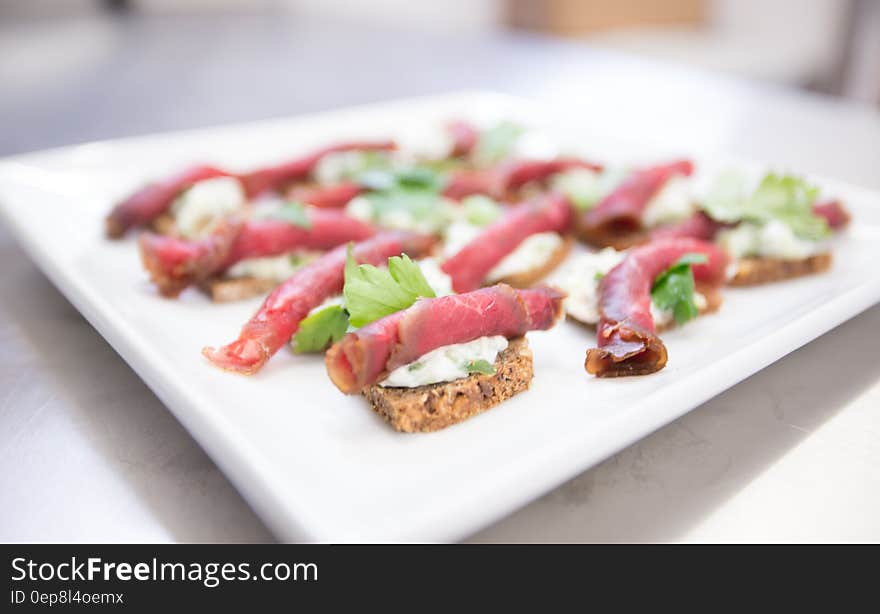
(496, 143)
(293, 213)
(786, 198)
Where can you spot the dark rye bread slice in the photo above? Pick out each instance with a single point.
(436, 406)
(618, 238)
(756, 271)
(524, 279)
(164, 224)
(221, 289)
(228, 289)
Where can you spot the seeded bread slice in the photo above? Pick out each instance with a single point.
(436, 406)
(756, 271)
(528, 278)
(619, 239)
(164, 224)
(225, 290)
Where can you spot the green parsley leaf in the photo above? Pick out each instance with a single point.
(496, 143)
(320, 330)
(419, 177)
(674, 288)
(378, 179)
(693, 258)
(409, 209)
(410, 277)
(406, 199)
(786, 198)
(374, 158)
(581, 188)
(480, 210)
(480, 366)
(298, 259)
(372, 293)
(294, 213)
(357, 163)
(585, 187)
(443, 165)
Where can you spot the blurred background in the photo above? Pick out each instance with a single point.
(130, 66)
(829, 45)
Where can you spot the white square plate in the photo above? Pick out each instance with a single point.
(320, 466)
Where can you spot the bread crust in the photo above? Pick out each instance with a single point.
(528, 278)
(436, 406)
(757, 271)
(164, 224)
(618, 239)
(228, 289)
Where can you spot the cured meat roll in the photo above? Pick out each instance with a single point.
(627, 333)
(282, 311)
(362, 357)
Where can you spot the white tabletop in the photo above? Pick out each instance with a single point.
(90, 454)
